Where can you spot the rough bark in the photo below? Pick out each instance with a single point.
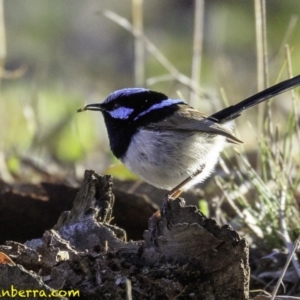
(184, 255)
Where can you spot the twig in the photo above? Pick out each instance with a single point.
(262, 59)
(291, 27)
(139, 57)
(284, 231)
(128, 289)
(197, 46)
(2, 40)
(183, 79)
(244, 215)
(261, 44)
(295, 102)
(296, 244)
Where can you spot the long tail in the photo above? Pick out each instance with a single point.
(232, 112)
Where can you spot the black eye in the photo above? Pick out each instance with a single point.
(116, 105)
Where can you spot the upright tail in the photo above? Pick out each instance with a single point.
(233, 111)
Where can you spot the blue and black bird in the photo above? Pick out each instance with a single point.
(166, 142)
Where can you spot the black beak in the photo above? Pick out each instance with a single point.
(95, 106)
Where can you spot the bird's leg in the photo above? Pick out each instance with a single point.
(175, 193)
(177, 190)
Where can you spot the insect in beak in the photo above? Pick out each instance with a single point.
(95, 106)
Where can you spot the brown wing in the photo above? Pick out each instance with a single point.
(189, 119)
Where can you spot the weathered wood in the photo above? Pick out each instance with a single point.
(215, 253)
(87, 225)
(184, 255)
(18, 283)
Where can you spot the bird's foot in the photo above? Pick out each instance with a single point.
(170, 196)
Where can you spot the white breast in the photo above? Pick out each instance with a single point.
(164, 161)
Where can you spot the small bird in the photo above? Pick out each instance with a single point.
(166, 142)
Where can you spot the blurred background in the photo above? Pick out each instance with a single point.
(56, 56)
(61, 55)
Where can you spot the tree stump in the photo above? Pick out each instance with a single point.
(184, 255)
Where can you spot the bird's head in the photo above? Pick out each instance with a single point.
(131, 104)
(126, 111)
